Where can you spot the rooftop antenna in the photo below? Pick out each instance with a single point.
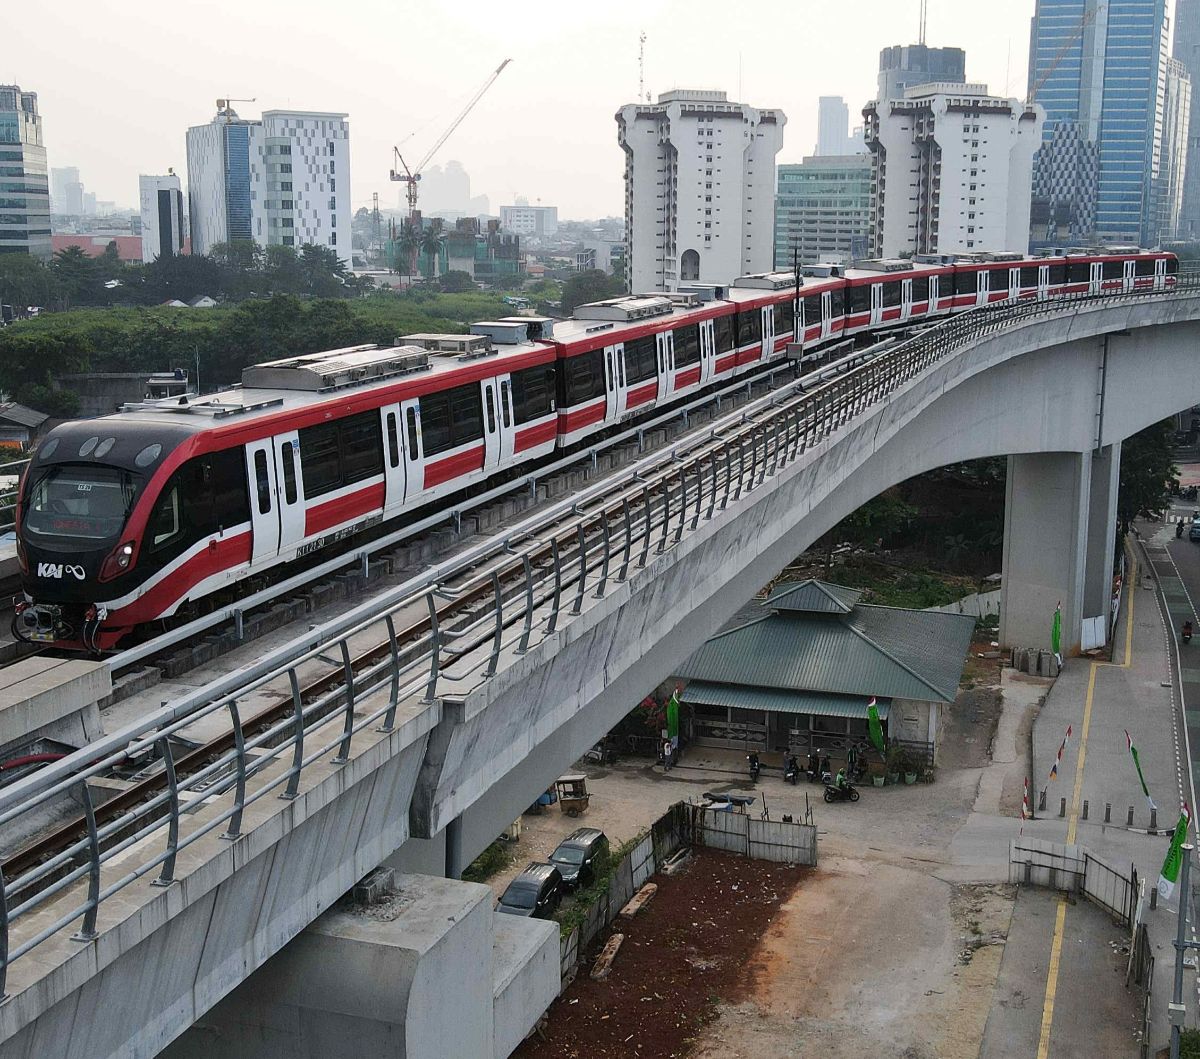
(642, 93)
(924, 18)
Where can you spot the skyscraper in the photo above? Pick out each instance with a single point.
(283, 180)
(24, 181)
(823, 210)
(161, 205)
(699, 189)
(1098, 67)
(66, 192)
(833, 124)
(1172, 169)
(906, 66)
(1187, 51)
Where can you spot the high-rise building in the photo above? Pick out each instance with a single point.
(823, 210)
(1098, 67)
(833, 123)
(906, 66)
(24, 180)
(66, 192)
(283, 180)
(951, 168)
(1187, 51)
(523, 219)
(699, 189)
(1172, 170)
(161, 207)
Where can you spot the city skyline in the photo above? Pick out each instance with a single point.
(504, 142)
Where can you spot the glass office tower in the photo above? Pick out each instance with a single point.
(24, 180)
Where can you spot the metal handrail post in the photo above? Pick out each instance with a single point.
(293, 783)
(600, 588)
(389, 718)
(435, 649)
(578, 605)
(167, 875)
(527, 630)
(234, 829)
(494, 661)
(557, 597)
(647, 534)
(88, 931)
(343, 754)
(628, 519)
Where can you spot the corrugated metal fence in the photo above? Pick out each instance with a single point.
(682, 826)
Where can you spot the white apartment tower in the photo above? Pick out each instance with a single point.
(160, 200)
(699, 189)
(951, 170)
(281, 181)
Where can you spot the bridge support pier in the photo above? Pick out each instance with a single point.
(1059, 534)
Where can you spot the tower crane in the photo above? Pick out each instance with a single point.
(1092, 11)
(411, 176)
(225, 108)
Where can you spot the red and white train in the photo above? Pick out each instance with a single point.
(142, 515)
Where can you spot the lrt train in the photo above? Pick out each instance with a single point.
(146, 515)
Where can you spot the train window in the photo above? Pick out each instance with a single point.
(687, 345)
(812, 310)
(1058, 275)
(229, 502)
(466, 413)
(319, 459)
(858, 299)
(966, 282)
(287, 452)
(1079, 271)
(920, 289)
(533, 393)
(891, 294)
(785, 317)
(72, 502)
(999, 280)
(262, 482)
(1172, 266)
(641, 359)
(1029, 276)
(361, 448)
(505, 415)
(411, 423)
(393, 440)
(490, 400)
(582, 378)
(724, 333)
(837, 303)
(749, 328)
(1113, 270)
(435, 423)
(1144, 267)
(165, 524)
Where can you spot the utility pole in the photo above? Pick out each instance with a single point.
(924, 17)
(1177, 1011)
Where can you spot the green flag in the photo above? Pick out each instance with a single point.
(1056, 631)
(1137, 764)
(876, 729)
(1169, 875)
(673, 716)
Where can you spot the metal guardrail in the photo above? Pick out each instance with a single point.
(516, 590)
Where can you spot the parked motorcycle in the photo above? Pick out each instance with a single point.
(791, 771)
(1178, 530)
(834, 793)
(755, 768)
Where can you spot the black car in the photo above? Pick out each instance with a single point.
(576, 855)
(535, 893)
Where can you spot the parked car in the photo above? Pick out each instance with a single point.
(536, 893)
(576, 855)
(1194, 530)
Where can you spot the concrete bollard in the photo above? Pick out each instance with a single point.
(1085, 808)
(1108, 812)
(1153, 819)
(1129, 818)
(1153, 898)
(1062, 806)
(1028, 872)
(1042, 802)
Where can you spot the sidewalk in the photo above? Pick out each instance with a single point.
(1100, 702)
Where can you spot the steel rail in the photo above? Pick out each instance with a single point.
(514, 589)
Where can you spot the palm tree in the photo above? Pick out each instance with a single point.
(408, 243)
(432, 241)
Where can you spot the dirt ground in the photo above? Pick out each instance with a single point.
(692, 947)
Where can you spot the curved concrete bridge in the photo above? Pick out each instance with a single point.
(1056, 391)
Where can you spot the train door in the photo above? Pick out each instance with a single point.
(491, 424)
(412, 447)
(1095, 277)
(393, 458)
(1129, 276)
(708, 351)
(614, 369)
(1043, 291)
(508, 432)
(664, 357)
(826, 314)
(289, 494)
(767, 349)
(906, 299)
(1014, 284)
(876, 303)
(264, 518)
(1160, 273)
(981, 296)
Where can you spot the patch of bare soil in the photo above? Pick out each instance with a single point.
(687, 951)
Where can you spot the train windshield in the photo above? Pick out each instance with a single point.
(76, 501)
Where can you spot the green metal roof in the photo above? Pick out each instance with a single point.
(773, 700)
(814, 597)
(882, 651)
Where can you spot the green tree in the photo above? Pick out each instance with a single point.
(59, 404)
(432, 241)
(78, 276)
(1148, 473)
(26, 281)
(591, 285)
(408, 242)
(455, 281)
(182, 276)
(323, 271)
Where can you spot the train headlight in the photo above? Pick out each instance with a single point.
(124, 555)
(118, 561)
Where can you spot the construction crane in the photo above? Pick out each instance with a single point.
(1084, 22)
(225, 110)
(412, 176)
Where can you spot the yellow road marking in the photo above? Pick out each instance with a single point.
(1060, 917)
(1052, 981)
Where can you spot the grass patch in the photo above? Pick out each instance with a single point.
(495, 858)
(574, 914)
(892, 586)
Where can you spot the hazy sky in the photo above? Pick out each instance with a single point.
(119, 81)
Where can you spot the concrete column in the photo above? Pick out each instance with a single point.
(1101, 532)
(1046, 506)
